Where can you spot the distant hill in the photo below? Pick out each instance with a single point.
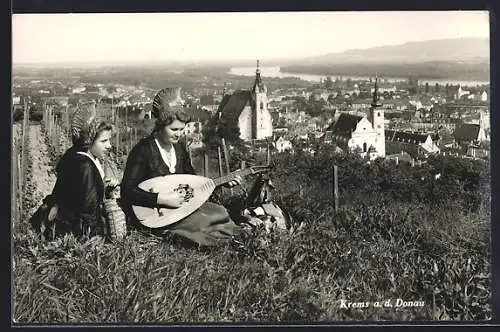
(464, 58)
(449, 50)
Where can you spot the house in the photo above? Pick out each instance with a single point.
(208, 102)
(416, 144)
(484, 96)
(360, 104)
(62, 101)
(460, 93)
(249, 108)
(470, 133)
(282, 144)
(362, 133)
(198, 118)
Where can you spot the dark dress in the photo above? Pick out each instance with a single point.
(78, 194)
(206, 226)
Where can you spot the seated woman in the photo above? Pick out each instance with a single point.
(161, 154)
(76, 203)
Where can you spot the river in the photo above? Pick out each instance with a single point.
(275, 72)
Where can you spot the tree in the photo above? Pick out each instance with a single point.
(436, 88)
(215, 129)
(426, 87)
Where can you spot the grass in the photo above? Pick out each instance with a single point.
(266, 277)
(371, 249)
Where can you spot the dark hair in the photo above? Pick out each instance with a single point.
(88, 135)
(165, 115)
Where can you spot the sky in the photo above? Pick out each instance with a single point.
(133, 37)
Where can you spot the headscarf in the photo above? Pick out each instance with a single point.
(84, 126)
(167, 104)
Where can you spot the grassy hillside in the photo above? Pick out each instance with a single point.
(398, 235)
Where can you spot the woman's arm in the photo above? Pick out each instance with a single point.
(136, 171)
(85, 197)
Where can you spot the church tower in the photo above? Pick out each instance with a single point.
(377, 120)
(262, 126)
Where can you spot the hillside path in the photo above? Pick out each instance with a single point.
(43, 177)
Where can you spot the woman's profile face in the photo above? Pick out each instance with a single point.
(170, 134)
(101, 145)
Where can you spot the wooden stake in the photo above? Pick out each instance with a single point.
(268, 154)
(20, 183)
(226, 158)
(117, 135)
(335, 188)
(14, 184)
(205, 164)
(219, 154)
(226, 155)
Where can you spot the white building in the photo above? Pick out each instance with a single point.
(250, 109)
(282, 144)
(363, 133)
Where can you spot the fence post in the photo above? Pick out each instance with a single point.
(20, 183)
(335, 188)
(226, 154)
(268, 154)
(219, 155)
(205, 164)
(226, 158)
(14, 178)
(117, 134)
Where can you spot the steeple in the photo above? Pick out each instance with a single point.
(375, 101)
(258, 86)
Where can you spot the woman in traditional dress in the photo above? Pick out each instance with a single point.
(76, 203)
(161, 154)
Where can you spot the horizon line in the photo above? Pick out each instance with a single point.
(180, 61)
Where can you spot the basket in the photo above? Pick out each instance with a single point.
(115, 219)
(114, 215)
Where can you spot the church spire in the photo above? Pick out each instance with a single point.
(258, 85)
(375, 101)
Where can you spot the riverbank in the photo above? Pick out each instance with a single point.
(363, 73)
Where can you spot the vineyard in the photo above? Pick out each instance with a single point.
(399, 235)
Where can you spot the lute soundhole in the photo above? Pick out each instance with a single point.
(186, 190)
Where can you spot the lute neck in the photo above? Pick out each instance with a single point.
(231, 176)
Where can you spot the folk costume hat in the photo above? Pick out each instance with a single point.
(84, 125)
(166, 103)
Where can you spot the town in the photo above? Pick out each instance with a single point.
(404, 121)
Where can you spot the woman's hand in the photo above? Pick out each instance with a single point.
(111, 182)
(235, 182)
(171, 200)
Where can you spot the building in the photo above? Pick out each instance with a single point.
(461, 92)
(60, 100)
(250, 109)
(415, 144)
(470, 133)
(198, 118)
(282, 145)
(208, 103)
(484, 96)
(363, 133)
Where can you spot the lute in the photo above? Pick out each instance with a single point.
(195, 189)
